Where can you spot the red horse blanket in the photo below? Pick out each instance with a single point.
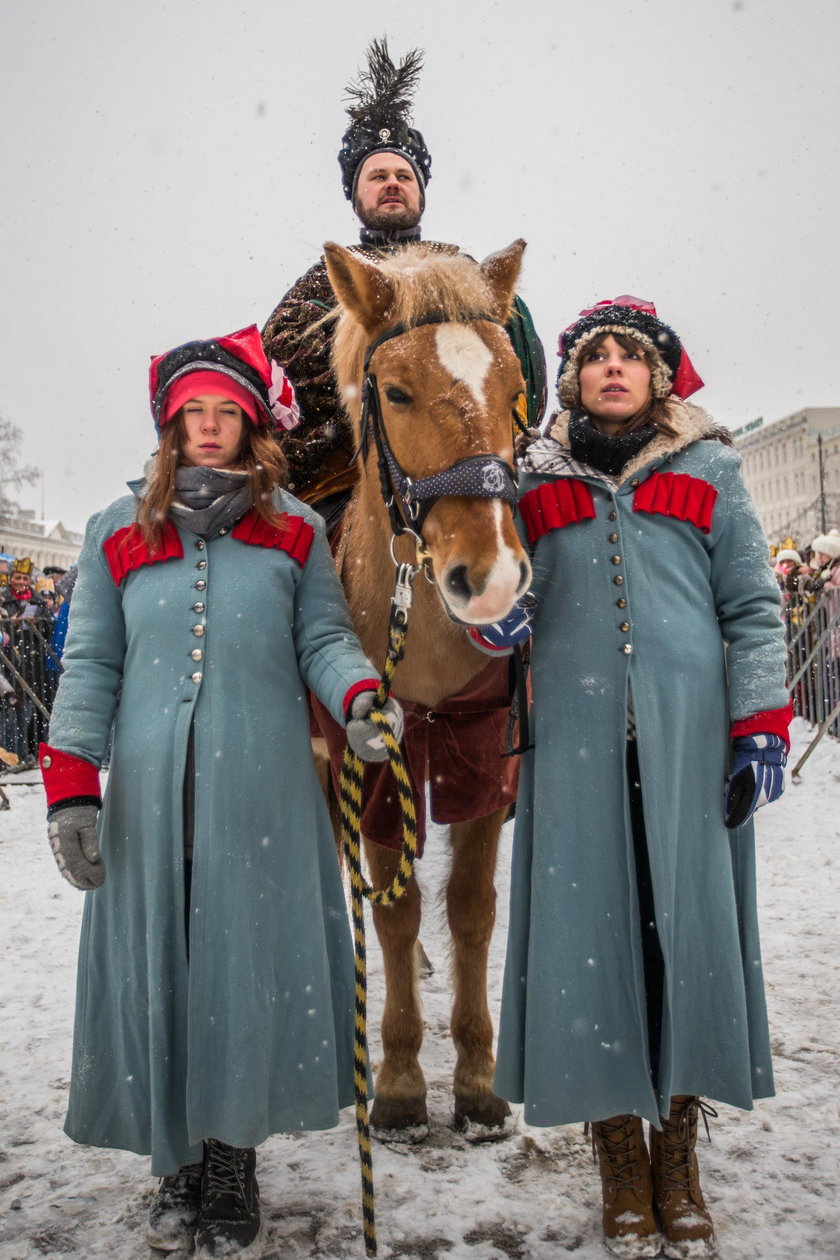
(457, 748)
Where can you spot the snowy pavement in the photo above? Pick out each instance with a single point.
(772, 1177)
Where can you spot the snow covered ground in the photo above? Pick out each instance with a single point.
(772, 1177)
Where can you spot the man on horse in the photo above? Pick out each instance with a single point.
(385, 168)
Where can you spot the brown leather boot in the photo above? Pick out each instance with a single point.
(630, 1228)
(687, 1227)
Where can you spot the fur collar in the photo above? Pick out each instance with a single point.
(691, 423)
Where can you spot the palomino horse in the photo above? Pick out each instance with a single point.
(429, 327)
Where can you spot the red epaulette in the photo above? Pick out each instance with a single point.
(294, 535)
(555, 504)
(127, 549)
(679, 495)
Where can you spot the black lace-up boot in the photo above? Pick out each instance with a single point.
(229, 1222)
(174, 1209)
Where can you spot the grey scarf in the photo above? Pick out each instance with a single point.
(209, 499)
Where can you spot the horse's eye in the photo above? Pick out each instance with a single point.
(397, 396)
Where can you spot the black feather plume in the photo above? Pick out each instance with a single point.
(382, 93)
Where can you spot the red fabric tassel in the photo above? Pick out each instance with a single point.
(294, 536)
(679, 495)
(127, 549)
(555, 504)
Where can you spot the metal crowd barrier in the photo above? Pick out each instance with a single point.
(812, 633)
(29, 674)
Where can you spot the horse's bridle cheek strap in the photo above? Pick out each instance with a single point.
(478, 476)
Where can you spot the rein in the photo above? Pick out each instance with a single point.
(409, 501)
(350, 803)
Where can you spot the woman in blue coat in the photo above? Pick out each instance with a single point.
(215, 986)
(633, 977)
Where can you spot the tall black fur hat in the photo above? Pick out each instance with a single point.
(379, 116)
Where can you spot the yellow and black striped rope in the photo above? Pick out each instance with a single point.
(350, 802)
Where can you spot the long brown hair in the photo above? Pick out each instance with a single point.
(260, 456)
(655, 411)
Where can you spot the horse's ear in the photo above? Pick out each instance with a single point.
(360, 286)
(502, 272)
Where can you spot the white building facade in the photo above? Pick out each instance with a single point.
(792, 469)
(45, 542)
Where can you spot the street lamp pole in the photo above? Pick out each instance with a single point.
(822, 482)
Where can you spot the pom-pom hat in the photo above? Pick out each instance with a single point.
(671, 372)
(234, 366)
(379, 117)
(828, 544)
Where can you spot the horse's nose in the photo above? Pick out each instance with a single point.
(459, 586)
(524, 577)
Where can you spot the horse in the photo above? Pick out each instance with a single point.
(424, 366)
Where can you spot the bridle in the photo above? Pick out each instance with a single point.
(408, 501)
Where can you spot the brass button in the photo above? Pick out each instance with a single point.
(625, 626)
(196, 654)
(635, 481)
(613, 538)
(223, 530)
(616, 559)
(198, 631)
(196, 678)
(198, 608)
(619, 581)
(627, 649)
(622, 603)
(199, 546)
(611, 516)
(200, 584)
(202, 564)
(46, 761)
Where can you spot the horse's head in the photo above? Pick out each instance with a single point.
(431, 326)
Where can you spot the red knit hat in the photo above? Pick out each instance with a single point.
(234, 366)
(206, 382)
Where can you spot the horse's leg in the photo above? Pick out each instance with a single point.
(471, 908)
(399, 1108)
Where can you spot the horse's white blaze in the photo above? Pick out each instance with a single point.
(504, 583)
(465, 356)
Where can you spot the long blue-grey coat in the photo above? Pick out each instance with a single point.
(636, 601)
(254, 1034)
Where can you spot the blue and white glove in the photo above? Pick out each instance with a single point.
(363, 735)
(757, 776)
(500, 638)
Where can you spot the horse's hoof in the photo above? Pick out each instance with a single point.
(399, 1119)
(484, 1119)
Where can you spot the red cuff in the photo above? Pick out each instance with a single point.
(367, 684)
(66, 775)
(770, 722)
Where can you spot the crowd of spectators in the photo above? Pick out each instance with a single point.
(810, 584)
(34, 606)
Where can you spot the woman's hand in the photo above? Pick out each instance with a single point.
(363, 735)
(757, 777)
(72, 834)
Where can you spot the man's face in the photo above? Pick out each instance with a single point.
(387, 193)
(19, 582)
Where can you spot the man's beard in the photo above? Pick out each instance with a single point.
(389, 220)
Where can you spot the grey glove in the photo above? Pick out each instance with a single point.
(363, 735)
(72, 833)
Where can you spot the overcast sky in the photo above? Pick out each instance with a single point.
(169, 169)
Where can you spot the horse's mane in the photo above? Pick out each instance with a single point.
(426, 279)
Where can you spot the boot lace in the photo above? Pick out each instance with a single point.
(678, 1138)
(617, 1145)
(226, 1171)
